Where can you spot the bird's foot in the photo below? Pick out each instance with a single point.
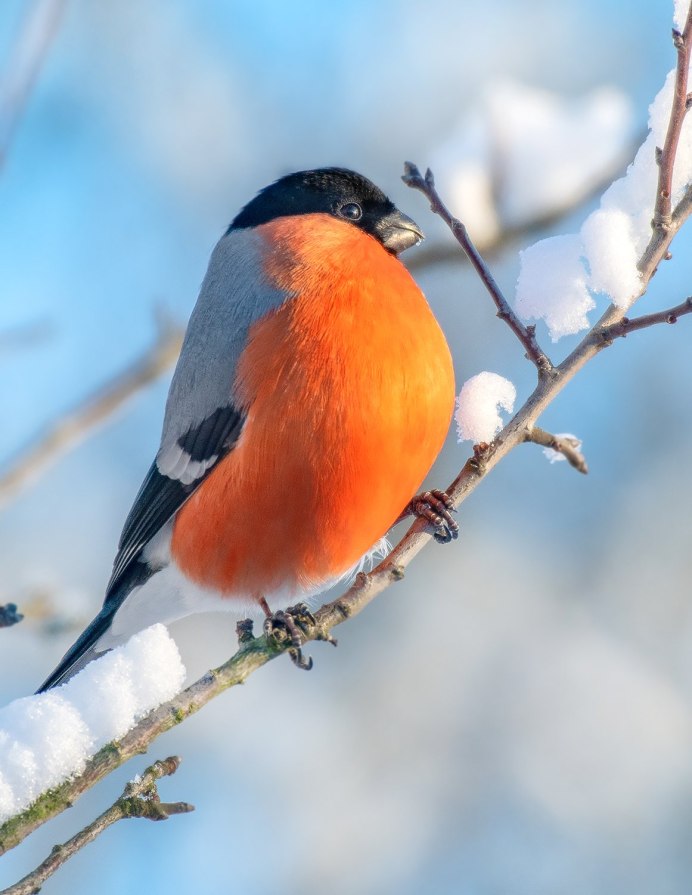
(291, 624)
(436, 508)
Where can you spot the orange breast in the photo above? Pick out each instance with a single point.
(350, 391)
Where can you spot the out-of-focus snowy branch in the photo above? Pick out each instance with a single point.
(524, 158)
(27, 57)
(140, 798)
(97, 409)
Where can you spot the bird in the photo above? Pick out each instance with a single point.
(312, 395)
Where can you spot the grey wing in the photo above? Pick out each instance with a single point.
(203, 418)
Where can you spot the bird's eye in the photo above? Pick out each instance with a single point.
(351, 211)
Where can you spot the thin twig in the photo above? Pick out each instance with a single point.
(140, 798)
(87, 416)
(526, 334)
(629, 325)
(666, 155)
(28, 54)
(568, 447)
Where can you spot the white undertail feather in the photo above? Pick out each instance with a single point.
(169, 595)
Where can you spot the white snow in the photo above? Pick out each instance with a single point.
(680, 14)
(608, 244)
(47, 738)
(554, 456)
(477, 415)
(552, 286)
(525, 152)
(603, 258)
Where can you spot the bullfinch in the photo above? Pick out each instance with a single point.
(313, 392)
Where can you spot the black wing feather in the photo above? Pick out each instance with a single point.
(160, 496)
(157, 500)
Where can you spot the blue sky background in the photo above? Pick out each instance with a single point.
(516, 715)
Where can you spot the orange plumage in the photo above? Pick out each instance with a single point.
(351, 389)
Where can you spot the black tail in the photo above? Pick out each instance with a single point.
(70, 662)
(77, 655)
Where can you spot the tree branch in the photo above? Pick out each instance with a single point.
(28, 55)
(568, 447)
(140, 798)
(526, 334)
(629, 325)
(68, 431)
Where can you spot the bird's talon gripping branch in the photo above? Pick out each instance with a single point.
(303, 616)
(435, 507)
(291, 624)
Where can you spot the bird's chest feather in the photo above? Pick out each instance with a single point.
(349, 388)
(352, 376)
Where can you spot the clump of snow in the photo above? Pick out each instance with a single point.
(554, 456)
(47, 738)
(525, 152)
(552, 286)
(608, 244)
(477, 415)
(603, 257)
(680, 14)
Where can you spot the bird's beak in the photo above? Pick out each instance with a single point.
(398, 232)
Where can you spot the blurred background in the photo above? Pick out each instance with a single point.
(516, 716)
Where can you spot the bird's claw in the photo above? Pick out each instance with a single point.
(291, 624)
(436, 507)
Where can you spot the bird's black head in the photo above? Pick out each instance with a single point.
(339, 192)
